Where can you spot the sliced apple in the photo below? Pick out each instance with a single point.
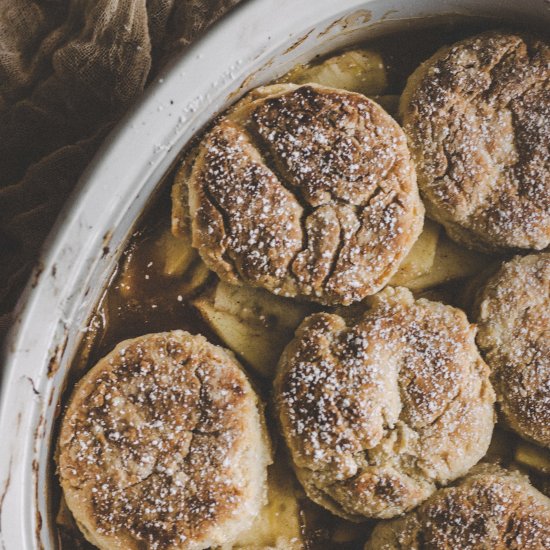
(176, 252)
(420, 259)
(259, 306)
(535, 458)
(195, 278)
(259, 346)
(252, 322)
(360, 71)
(451, 262)
(181, 223)
(277, 527)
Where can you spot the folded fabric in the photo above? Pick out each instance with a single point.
(68, 71)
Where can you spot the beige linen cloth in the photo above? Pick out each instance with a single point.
(68, 70)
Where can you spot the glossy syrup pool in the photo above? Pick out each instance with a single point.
(154, 304)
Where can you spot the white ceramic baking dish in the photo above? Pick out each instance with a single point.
(256, 43)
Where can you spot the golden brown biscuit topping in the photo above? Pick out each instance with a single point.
(477, 115)
(153, 443)
(377, 412)
(513, 314)
(306, 192)
(491, 508)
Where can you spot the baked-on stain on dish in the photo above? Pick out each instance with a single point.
(297, 43)
(55, 356)
(360, 17)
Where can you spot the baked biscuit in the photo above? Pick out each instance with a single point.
(490, 509)
(513, 315)
(379, 411)
(306, 191)
(477, 115)
(163, 445)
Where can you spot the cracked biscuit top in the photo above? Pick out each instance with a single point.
(305, 191)
(512, 312)
(163, 446)
(379, 411)
(490, 509)
(477, 115)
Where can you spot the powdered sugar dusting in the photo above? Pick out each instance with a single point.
(378, 412)
(478, 119)
(513, 313)
(153, 448)
(309, 192)
(490, 508)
